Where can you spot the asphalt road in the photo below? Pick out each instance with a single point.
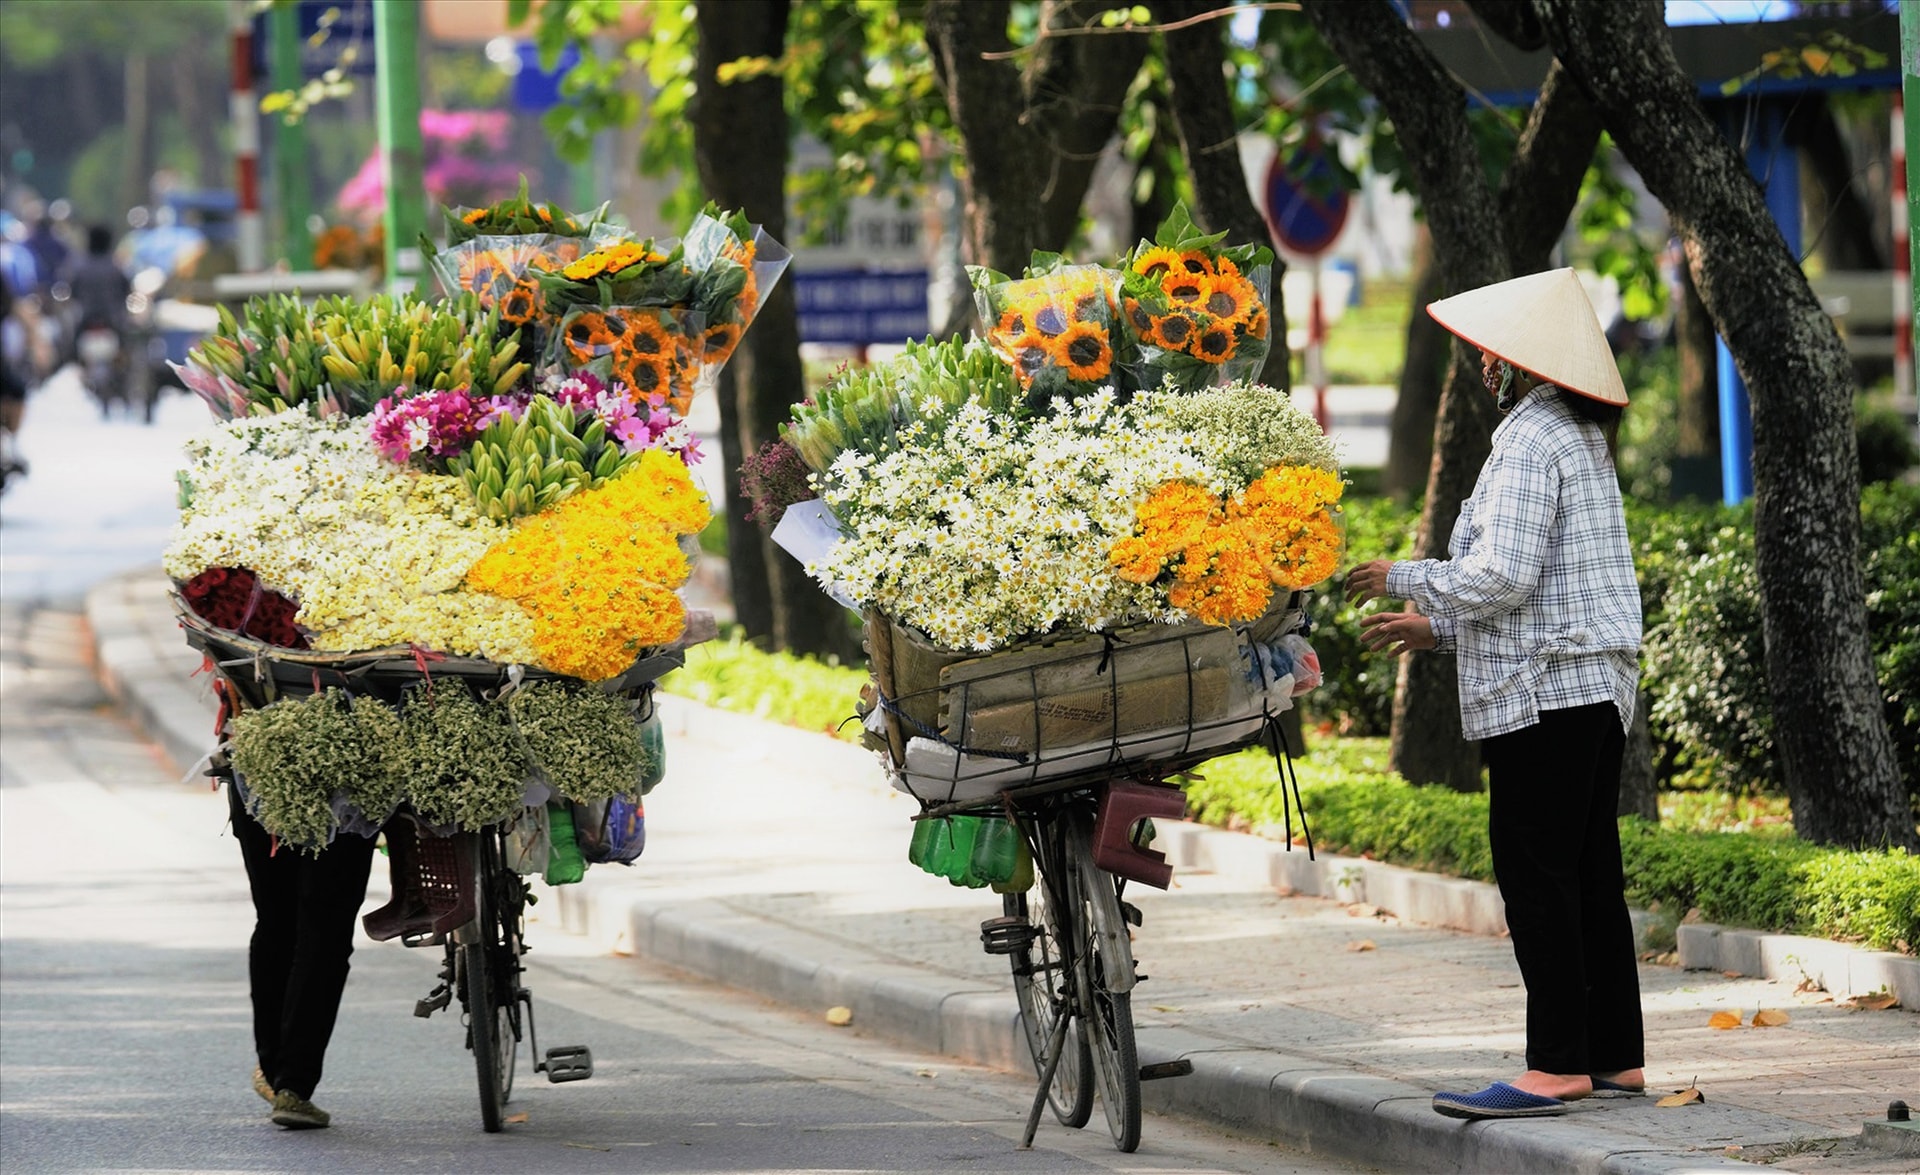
(124, 1039)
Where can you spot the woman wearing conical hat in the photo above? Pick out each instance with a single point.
(1540, 607)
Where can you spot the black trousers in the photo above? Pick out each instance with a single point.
(1555, 787)
(304, 911)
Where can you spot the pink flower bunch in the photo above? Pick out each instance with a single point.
(635, 427)
(429, 426)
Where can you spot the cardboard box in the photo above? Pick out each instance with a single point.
(1120, 711)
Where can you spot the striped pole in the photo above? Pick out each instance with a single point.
(1315, 363)
(244, 113)
(1902, 261)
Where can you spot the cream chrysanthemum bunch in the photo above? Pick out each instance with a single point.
(374, 554)
(993, 529)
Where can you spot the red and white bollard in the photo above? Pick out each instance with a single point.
(249, 232)
(1316, 364)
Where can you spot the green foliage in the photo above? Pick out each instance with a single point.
(1368, 345)
(780, 687)
(1604, 216)
(1890, 538)
(1649, 429)
(1706, 665)
(1357, 696)
(1884, 440)
(1767, 881)
(584, 742)
(464, 768)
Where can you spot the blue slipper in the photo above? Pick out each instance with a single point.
(1498, 1100)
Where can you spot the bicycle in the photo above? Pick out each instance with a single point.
(1081, 811)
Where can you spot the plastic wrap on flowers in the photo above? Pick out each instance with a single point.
(1056, 328)
(1193, 313)
(738, 265)
(652, 350)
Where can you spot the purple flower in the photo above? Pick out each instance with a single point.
(431, 425)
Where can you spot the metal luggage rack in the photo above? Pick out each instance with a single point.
(260, 673)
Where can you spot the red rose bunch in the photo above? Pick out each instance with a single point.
(232, 598)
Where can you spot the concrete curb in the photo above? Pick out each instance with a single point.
(1267, 1094)
(144, 675)
(1836, 967)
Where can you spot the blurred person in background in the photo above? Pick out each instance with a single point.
(97, 291)
(49, 252)
(13, 380)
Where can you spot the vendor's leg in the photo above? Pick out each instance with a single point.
(1541, 784)
(1615, 1040)
(274, 879)
(333, 885)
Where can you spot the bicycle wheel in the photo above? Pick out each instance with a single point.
(1040, 982)
(1103, 970)
(491, 968)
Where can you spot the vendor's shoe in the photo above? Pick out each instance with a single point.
(1498, 1100)
(1604, 1088)
(297, 1113)
(262, 1086)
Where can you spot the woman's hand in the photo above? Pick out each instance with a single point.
(1396, 632)
(1367, 581)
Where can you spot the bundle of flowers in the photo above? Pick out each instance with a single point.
(662, 316)
(1194, 313)
(493, 252)
(989, 529)
(341, 355)
(1054, 326)
(317, 766)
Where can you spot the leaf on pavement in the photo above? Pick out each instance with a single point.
(1689, 1096)
(1725, 1020)
(840, 1017)
(1365, 944)
(1362, 910)
(515, 1119)
(1878, 1002)
(1770, 1018)
(1730, 975)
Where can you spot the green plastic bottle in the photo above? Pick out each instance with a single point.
(565, 865)
(1021, 879)
(956, 858)
(995, 851)
(920, 848)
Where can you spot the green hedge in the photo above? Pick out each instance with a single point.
(1771, 882)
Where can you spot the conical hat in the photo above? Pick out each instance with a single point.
(1542, 323)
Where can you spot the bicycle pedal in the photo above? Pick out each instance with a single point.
(1131, 914)
(436, 999)
(1179, 1068)
(569, 1062)
(1005, 935)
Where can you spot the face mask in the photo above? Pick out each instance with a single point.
(1499, 381)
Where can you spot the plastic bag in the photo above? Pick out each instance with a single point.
(610, 830)
(530, 841)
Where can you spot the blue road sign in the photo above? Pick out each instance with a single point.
(1305, 202)
(858, 307)
(535, 89)
(350, 26)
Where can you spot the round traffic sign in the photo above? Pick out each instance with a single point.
(1305, 203)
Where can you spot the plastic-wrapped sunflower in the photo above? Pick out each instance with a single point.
(1191, 311)
(1056, 326)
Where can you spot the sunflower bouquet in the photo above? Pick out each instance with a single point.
(1055, 326)
(659, 316)
(494, 253)
(1193, 312)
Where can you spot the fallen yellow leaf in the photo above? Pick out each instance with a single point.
(839, 1017)
(1729, 975)
(1725, 1020)
(1362, 910)
(1770, 1018)
(1691, 1095)
(513, 1119)
(1365, 944)
(1872, 1003)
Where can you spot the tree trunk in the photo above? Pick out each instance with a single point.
(1839, 217)
(136, 160)
(1209, 139)
(1696, 453)
(740, 146)
(1031, 137)
(1829, 726)
(1429, 356)
(1639, 787)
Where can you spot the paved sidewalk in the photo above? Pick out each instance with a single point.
(777, 865)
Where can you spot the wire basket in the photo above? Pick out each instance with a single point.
(1143, 702)
(433, 886)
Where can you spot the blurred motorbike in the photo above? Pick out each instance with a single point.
(102, 367)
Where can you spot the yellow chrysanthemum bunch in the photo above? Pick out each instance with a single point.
(598, 571)
(1220, 559)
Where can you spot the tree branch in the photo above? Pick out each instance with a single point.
(1513, 20)
(1542, 183)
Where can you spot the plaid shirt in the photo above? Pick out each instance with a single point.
(1539, 600)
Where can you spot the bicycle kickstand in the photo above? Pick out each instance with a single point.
(1054, 1046)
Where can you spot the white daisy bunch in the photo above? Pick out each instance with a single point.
(373, 553)
(986, 529)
